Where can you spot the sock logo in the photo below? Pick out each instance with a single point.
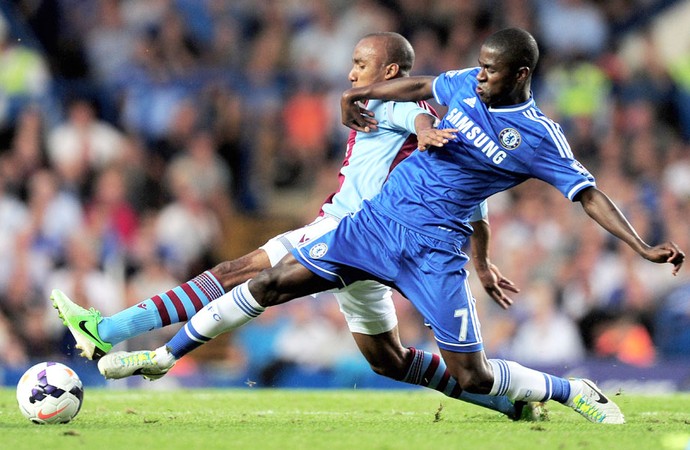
(142, 305)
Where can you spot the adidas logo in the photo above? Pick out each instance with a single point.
(470, 101)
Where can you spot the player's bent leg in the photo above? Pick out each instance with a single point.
(523, 384)
(82, 324)
(387, 357)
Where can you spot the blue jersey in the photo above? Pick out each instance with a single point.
(410, 235)
(435, 192)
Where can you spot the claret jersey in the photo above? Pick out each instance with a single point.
(435, 192)
(370, 157)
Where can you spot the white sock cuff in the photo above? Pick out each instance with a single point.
(245, 300)
(501, 377)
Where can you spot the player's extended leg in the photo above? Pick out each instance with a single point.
(96, 335)
(499, 377)
(388, 357)
(231, 311)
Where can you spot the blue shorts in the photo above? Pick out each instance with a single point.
(428, 271)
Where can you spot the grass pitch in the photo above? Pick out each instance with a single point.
(354, 419)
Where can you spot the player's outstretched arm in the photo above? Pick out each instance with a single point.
(406, 89)
(495, 284)
(600, 208)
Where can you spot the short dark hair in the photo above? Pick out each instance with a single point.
(518, 45)
(398, 50)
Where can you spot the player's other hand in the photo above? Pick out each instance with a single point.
(668, 252)
(433, 137)
(495, 284)
(354, 115)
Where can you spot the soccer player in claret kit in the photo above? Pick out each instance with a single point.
(367, 305)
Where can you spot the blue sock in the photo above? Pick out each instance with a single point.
(186, 340)
(226, 313)
(429, 370)
(560, 388)
(173, 306)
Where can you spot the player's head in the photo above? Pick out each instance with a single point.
(506, 60)
(379, 57)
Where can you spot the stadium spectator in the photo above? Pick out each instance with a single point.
(82, 144)
(25, 80)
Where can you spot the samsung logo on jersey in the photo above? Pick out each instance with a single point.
(476, 136)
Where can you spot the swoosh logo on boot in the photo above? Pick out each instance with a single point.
(601, 399)
(82, 327)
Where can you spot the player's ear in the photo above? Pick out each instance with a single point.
(392, 71)
(522, 74)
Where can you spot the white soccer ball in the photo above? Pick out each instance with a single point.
(50, 392)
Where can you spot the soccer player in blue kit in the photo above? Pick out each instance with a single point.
(367, 305)
(410, 236)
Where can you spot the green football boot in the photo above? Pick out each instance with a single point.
(83, 324)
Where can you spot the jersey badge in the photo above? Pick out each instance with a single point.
(580, 168)
(471, 101)
(510, 138)
(318, 250)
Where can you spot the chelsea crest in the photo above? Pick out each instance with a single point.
(509, 138)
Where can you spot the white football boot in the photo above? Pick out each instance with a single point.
(592, 404)
(151, 364)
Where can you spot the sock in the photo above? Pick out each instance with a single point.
(226, 313)
(173, 306)
(429, 370)
(520, 383)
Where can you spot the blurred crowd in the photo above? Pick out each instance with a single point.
(142, 142)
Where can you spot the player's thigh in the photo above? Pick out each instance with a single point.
(276, 248)
(434, 280)
(368, 307)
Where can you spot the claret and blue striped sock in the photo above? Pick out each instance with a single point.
(226, 313)
(173, 306)
(429, 370)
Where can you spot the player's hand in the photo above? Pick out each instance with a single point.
(355, 116)
(433, 137)
(668, 252)
(495, 284)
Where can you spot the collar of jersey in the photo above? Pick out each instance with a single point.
(512, 108)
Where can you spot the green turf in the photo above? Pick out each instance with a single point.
(355, 419)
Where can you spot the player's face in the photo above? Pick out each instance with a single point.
(497, 81)
(368, 63)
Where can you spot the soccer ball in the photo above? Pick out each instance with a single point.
(50, 392)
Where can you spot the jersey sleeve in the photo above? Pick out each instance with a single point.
(480, 212)
(401, 115)
(555, 164)
(446, 84)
